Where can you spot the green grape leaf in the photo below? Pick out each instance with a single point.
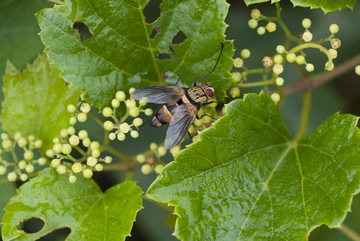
(246, 179)
(120, 53)
(81, 206)
(325, 5)
(35, 101)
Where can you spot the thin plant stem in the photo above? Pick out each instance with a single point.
(351, 234)
(117, 153)
(96, 119)
(254, 84)
(304, 120)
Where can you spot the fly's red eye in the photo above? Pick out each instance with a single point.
(204, 85)
(209, 92)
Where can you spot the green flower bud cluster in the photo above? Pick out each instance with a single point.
(26, 163)
(256, 16)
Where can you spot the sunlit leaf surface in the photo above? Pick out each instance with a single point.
(247, 180)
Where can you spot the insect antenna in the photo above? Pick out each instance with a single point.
(222, 46)
(177, 65)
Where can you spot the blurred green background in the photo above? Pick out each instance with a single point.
(20, 44)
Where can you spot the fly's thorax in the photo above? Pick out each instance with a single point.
(196, 95)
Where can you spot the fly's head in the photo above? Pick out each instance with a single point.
(208, 89)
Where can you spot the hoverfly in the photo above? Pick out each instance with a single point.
(180, 105)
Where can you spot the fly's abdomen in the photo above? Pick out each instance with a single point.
(164, 115)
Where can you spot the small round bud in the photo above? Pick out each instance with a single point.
(267, 61)
(112, 136)
(120, 95)
(2, 170)
(28, 155)
(280, 49)
(71, 130)
(71, 108)
(153, 146)
(142, 103)
(261, 30)
(108, 159)
(121, 136)
(198, 122)
(134, 134)
(291, 57)
(31, 137)
(141, 158)
(42, 161)
(4, 136)
(38, 143)
(57, 147)
(29, 168)
(238, 63)
(309, 67)
(17, 136)
(271, 27)
(6, 144)
(278, 69)
(72, 179)
(108, 125)
(278, 59)
(99, 167)
(245, 53)
(74, 140)
(149, 112)
(95, 152)
(196, 138)
(22, 142)
(86, 142)
(162, 151)
(357, 69)
(213, 105)
(107, 112)
(88, 173)
(306, 23)
(23, 177)
(307, 36)
(235, 92)
(236, 76)
(12, 176)
(82, 117)
(333, 53)
(124, 127)
(50, 153)
(83, 134)
(66, 149)
(334, 28)
(335, 43)
(130, 103)
(158, 168)
(206, 119)
(56, 140)
(191, 129)
(146, 169)
(85, 107)
(175, 150)
(94, 145)
(150, 160)
(115, 103)
(91, 161)
(131, 90)
(61, 169)
(253, 23)
(76, 167)
(137, 122)
(22, 164)
(279, 81)
(275, 97)
(134, 112)
(329, 67)
(72, 120)
(255, 13)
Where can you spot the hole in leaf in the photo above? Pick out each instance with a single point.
(179, 38)
(163, 56)
(83, 30)
(152, 11)
(32, 225)
(57, 234)
(154, 33)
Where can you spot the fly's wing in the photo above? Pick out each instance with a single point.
(180, 123)
(159, 94)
